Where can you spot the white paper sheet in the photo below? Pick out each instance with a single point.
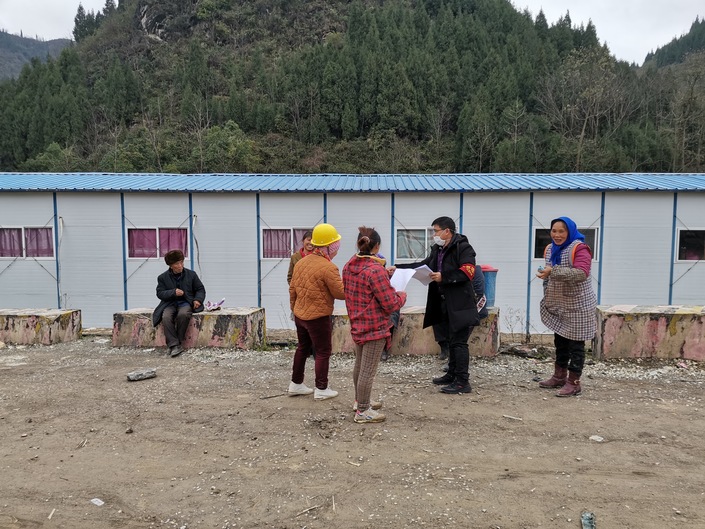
(422, 274)
(400, 278)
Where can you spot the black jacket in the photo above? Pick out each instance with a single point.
(167, 283)
(455, 288)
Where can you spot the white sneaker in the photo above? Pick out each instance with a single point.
(323, 394)
(369, 416)
(375, 405)
(299, 389)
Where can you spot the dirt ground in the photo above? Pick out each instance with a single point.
(213, 442)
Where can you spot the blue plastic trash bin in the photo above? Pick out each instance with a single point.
(490, 274)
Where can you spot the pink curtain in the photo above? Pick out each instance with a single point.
(298, 237)
(172, 239)
(38, 242)
(10, 242)
(142, 242)
(276, 244)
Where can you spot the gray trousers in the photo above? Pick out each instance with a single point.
(175, 322)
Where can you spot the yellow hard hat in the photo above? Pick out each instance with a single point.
(324, 234)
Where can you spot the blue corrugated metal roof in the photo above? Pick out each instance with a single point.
(342, 183)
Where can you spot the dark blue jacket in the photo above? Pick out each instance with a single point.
(167, 283)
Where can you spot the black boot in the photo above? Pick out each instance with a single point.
(445, 351)
(456, 387)
(444, 379)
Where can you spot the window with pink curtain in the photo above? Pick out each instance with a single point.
(10, 242)
(38, 242)
(172, 239)
(142, 242)
(276, 244)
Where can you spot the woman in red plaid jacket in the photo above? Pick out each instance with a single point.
(370, 300)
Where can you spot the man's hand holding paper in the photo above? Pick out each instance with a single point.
(401, 276)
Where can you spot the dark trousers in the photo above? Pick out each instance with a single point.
(457, 344)
(313, 334)
(175, 322)
(570, 354)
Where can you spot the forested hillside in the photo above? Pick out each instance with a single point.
(680, 48)
(337, 86)
(16, 51)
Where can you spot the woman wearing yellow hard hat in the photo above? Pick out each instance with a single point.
(315, 284)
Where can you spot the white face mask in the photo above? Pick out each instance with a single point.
(438, 240)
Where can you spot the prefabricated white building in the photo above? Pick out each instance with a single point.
(69, 240)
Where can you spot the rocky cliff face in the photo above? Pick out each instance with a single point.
(165, 20)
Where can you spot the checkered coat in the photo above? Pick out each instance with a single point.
(369, 298)
(569, 302)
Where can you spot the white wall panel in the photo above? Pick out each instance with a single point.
(152, 210)
(419, 210)
(348, 211)
(27, 282)
(585, 209)
(90, 253)
(224, 254)
(496, 225)
(636, 254)
(689, 276)
(284, 210)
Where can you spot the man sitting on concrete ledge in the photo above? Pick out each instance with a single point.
(181, 293)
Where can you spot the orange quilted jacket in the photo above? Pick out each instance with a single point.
(314, 285)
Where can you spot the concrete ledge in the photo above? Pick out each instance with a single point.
(39, 326)
(241, 328)
(411, 338)
(662, 331)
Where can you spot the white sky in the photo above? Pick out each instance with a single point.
(631, 28)
(47, 19)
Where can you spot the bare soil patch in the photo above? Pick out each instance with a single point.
(213, 442)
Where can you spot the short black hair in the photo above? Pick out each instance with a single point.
(444, 223)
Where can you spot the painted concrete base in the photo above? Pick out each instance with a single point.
(39, 326)
(241, 328)
(636, 331)
(411, 338)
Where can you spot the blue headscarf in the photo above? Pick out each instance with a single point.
(573, 235)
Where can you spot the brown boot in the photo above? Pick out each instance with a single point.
(557, 380)
(572, 386)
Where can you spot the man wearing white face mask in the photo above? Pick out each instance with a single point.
(451, 306)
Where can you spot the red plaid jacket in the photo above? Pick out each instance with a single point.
(369, 298)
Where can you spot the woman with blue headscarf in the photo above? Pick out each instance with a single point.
(568, 304)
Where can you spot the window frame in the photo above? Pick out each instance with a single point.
(293, 244)
(429, 243)
(23, 243)
(158, 255)
(582, 229)
(678, 245)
